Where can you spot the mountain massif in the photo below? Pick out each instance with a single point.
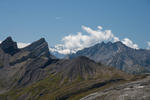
(33, 73)
(119, 56)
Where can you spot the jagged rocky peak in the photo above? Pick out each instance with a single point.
(36, 44)
(119, 43)
(110, 46)
(38, 48)
(9, 46)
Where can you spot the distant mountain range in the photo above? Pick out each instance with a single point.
(57, 54)
(33, 73)
(118, 55)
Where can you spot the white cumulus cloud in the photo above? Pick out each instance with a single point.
(148, 43)
(129, 43)
(22, 45)
(73, 43)
(60, 48)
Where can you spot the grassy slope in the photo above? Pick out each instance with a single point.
(55, 87)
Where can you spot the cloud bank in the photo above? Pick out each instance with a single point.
(148, 43)
(73, 43)
(22, 45)
(129, 43)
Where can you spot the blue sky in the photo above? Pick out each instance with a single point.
(28, 20)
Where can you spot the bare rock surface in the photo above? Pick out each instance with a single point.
(138, 90)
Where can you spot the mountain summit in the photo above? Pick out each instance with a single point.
(38, 48)
(9, 46)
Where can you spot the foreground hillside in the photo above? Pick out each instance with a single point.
(137, 90)
(63, 85)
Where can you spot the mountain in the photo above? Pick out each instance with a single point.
(25, 66)
(32, 73)
(82, 67)
(119, 56)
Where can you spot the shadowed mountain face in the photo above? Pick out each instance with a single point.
(118, 55)
(32, 73)
(9, 46)
(82, 67)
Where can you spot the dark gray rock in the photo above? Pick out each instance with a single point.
(9, 46)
